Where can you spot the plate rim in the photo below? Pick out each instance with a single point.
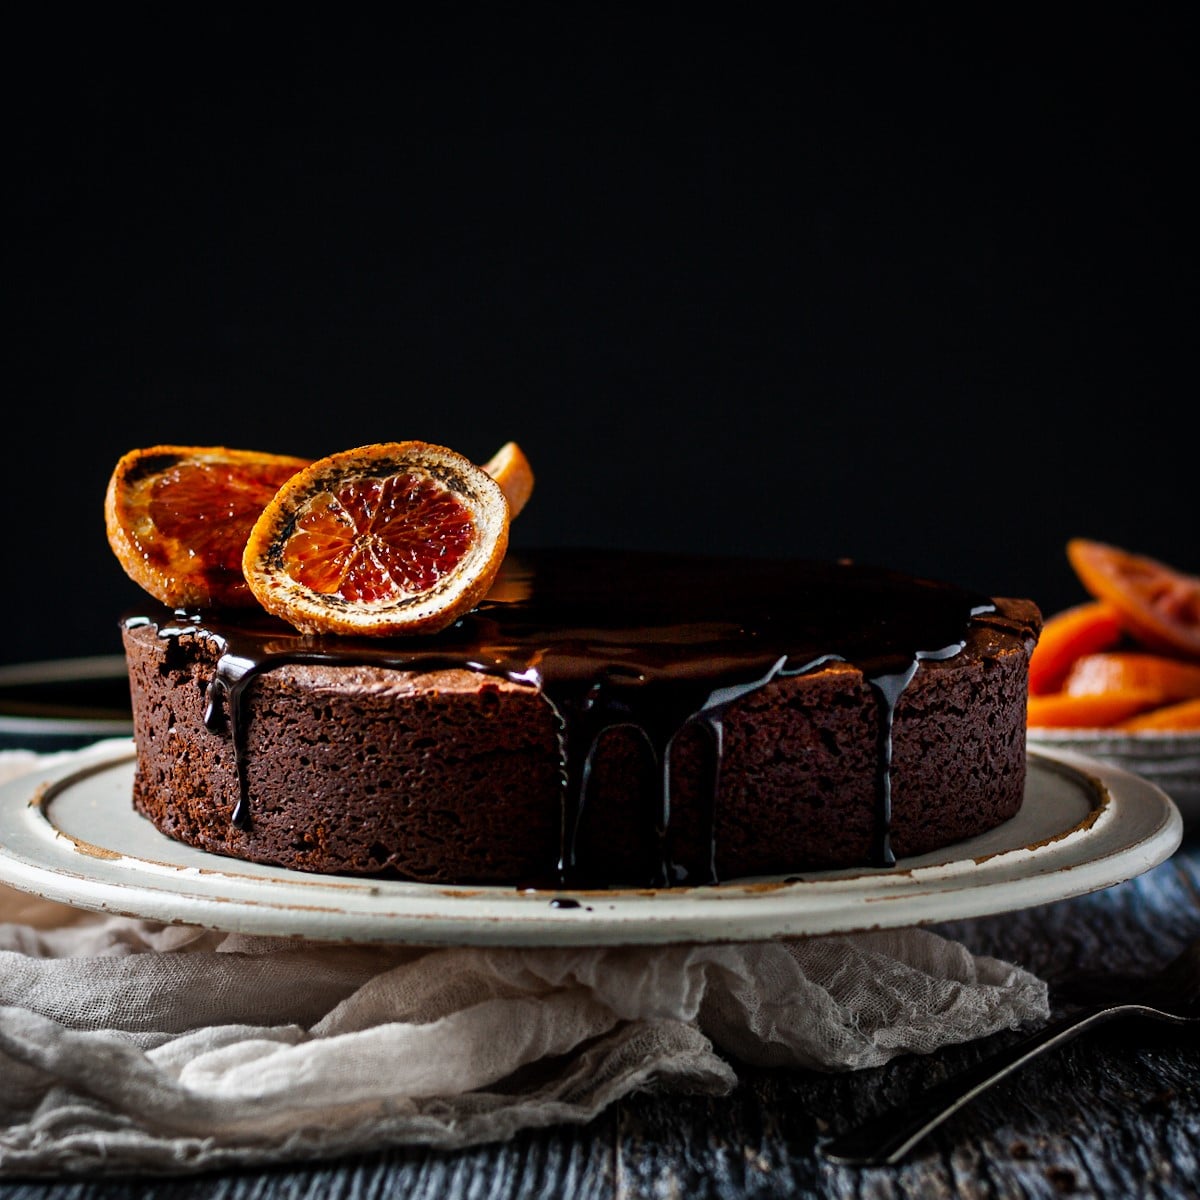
(1045, 735)
(235, 896)
(20, 729)
(1169, 758)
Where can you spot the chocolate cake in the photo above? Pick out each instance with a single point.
(600, 719)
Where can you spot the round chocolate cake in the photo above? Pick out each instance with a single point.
(600, 719)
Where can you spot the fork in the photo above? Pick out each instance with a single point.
(1171, 995)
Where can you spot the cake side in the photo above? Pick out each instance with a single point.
(456, 776)
(800, 771)
(444, 776)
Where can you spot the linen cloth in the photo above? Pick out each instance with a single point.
(130, 1046)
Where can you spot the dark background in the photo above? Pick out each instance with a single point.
(901, 284)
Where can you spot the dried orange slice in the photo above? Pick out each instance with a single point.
(1158, 604)
(1173, 678)
(383, 540)
(1171, 717)
(178, 518)
(512, 471)
(1096, 711)
(1066, 636)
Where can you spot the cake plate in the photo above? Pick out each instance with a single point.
(68, 833)
(1168, 758)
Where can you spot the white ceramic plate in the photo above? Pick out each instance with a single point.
(69, 833)
(1169, 760)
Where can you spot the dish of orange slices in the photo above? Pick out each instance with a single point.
(1117, 676)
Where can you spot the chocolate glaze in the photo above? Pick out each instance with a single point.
(650, 641)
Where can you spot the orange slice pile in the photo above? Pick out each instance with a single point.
(1129, 658)
(178, 517)
(387, 539)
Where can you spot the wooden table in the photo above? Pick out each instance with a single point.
(1113, 1114)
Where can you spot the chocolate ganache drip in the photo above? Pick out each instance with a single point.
(650, 642)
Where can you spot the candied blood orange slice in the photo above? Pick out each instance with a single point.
(512, 471)
(178, 518)
(1097, 711)
(1157, 604)
(1068, 635)
(1173, 678)
(383, 540)
(1170, 718)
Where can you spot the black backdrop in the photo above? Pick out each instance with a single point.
(887, 285)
